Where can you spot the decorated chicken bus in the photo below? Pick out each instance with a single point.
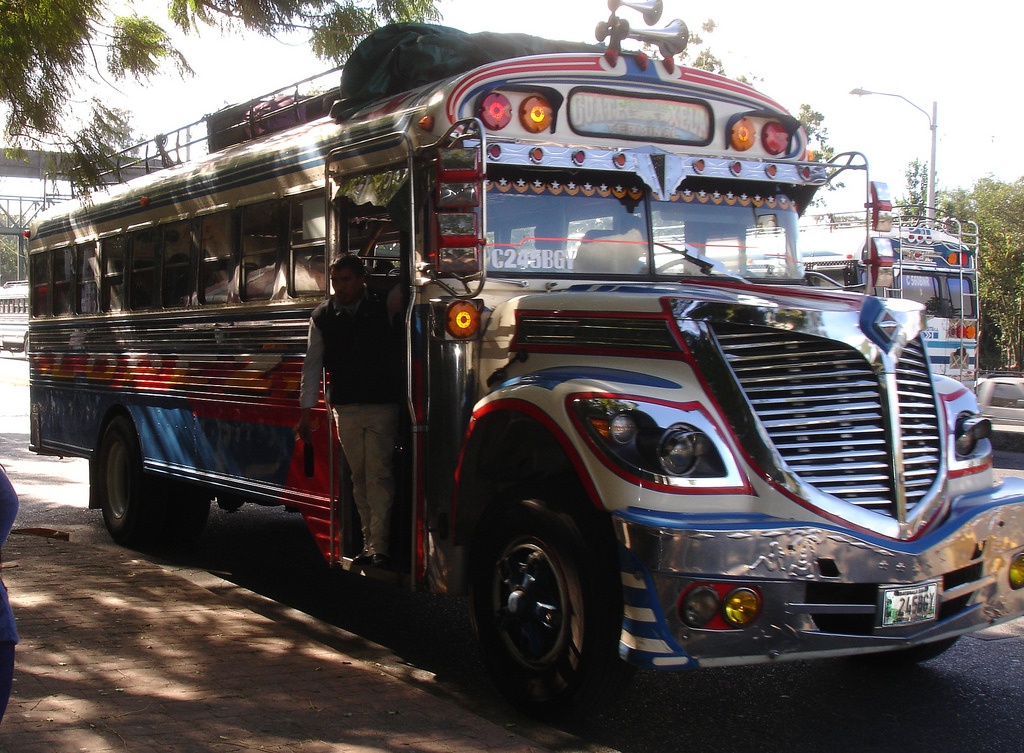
(935, 262)
(635, 431)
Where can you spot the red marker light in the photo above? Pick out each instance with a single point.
(774, 138)
(496, 111)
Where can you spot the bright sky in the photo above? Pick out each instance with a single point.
(957, 59)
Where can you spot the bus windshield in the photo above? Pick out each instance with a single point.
(560, 227)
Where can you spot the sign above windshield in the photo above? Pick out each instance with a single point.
(606, 113)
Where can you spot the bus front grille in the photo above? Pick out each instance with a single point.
(827, 414)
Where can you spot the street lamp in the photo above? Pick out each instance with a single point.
(933, 124)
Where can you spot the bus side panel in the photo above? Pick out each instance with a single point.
(224, 420)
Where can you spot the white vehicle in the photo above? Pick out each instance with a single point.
(14, 316)
(935, 262)
(1001, 397)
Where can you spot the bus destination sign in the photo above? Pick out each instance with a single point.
(602, 113)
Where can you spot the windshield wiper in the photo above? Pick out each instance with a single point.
(705, 264)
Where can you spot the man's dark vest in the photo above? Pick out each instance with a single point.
(359, 352)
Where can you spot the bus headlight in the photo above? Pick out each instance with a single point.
(664, 444)
(680, 449)
(699, 606)
(970, 429)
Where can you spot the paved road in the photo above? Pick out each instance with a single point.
(966, 699)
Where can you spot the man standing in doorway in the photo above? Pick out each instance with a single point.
(350, 336)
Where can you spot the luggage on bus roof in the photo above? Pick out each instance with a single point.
(400, 57)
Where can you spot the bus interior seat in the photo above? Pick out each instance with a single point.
(602, 252)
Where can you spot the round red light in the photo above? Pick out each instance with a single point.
(774, 137)
(496, 111)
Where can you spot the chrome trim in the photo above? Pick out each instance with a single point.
(821, 586)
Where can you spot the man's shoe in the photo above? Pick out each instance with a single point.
(365, 557)
(380, 560)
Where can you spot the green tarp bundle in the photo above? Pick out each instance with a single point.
(405, 56)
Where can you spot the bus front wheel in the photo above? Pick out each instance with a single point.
(133, 508)
(547, 610)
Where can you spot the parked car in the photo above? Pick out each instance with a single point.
(1001, 397)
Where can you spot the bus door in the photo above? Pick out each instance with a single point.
(370, 214)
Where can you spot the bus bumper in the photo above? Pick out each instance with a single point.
(825, 591)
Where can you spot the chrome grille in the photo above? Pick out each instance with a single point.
(825, 412)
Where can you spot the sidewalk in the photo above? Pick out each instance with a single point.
(118, 654)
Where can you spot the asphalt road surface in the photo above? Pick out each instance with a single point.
(967, 699)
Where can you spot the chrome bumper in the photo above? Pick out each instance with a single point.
(821, 585)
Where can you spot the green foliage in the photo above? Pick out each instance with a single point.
(998, 209)
(139, 47)
(9, 251)
(917, 184)
(41, 54)
(817, 134)
(698, 56)
(50, 50)
(335, 26)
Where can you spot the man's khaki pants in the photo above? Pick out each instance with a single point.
(367, 433)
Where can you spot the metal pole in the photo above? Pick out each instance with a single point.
(933, 125)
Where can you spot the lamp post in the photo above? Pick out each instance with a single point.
(933, 124)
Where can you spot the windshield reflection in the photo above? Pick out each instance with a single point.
(563, 228)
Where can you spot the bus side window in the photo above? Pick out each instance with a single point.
(112, 288)
(178, 264)
(921, 288)
(964, 292)
(217, 272)
(88, 272)
(261, 241)
(306, 237)
(41, 283)
(63, 278)
(142, 278)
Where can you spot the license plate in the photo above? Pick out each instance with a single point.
(908, 604)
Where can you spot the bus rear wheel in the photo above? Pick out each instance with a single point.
(133, 507)
(547, 612)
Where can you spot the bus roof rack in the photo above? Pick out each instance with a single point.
(299, 102)
(289, 106)
(395, 58)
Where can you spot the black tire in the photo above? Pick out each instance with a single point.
(546, 603)
(133, 506)
(904, 657)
